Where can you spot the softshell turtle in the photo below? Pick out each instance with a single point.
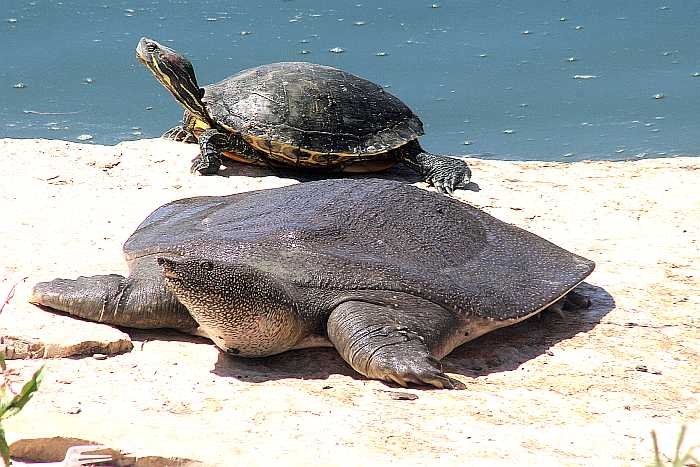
(297, 114)
(337, 262)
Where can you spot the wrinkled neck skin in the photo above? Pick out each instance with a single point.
(175, 73)
(245, 312)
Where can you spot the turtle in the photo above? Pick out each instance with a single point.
(297, 114)
(336, 262)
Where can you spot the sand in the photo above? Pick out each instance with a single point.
(586, 388)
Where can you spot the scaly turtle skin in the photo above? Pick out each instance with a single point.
(297, 114)
(337, 262)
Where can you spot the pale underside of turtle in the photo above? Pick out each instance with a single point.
(392, 276)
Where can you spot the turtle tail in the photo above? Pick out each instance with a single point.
(114, 299)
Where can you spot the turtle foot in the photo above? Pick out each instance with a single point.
(445, 173)
(426, 371)
(178, 133)
(575, 301)
(205, 165)
(448, 174)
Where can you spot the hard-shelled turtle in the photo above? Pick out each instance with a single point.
(300, 115)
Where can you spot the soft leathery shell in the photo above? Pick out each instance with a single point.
(311, 107)
(371, 234)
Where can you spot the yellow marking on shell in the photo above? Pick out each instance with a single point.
(239, 158)
(309, 157)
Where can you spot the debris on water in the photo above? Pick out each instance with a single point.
(303, 41)
(659, 96)
(19, 85)
(619, 151)
(88, 81)
(435, 5)
(579, 28)
(36, 112)
(663, 8)
(359, 23)
(572, 59)
(585, 76)
(696, 75)
(483, 55)
(212, 18)
(381, 54)
(526, 33)
(568, 155)
(467, 143)
(129, 12)
(246, 33)
(11, 20)
(337, 50)
(84, 137)
(667, 53)
(304, 52)
(136, 133)
(563, 18)
(508, 131)
(149, 108)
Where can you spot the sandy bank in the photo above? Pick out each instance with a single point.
(583, 389)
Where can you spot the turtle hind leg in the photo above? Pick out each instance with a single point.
(446, 173)
(178, 133)
(114, 299)
(398, 345)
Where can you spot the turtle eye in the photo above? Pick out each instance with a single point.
(150, 48)
(207, 265)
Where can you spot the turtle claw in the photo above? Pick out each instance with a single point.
(178, 133)
(205, 165)
(446, 174)
(575, 301)
(423, 373)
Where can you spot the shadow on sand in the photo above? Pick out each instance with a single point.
(502, 350)
(399, 172)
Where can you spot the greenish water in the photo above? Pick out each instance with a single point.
(498, 75)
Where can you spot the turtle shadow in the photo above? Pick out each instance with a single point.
(508, 348)
(498, 351)
(399, 172)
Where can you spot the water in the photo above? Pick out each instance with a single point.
(496, 75)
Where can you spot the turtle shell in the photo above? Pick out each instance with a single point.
(298, 110)
(333, 237)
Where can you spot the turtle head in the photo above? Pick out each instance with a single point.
(175, 72)
(245, 311)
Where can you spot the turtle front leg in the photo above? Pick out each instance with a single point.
(398, 343)
(443, 172)
(211, 143)
(184, 132)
